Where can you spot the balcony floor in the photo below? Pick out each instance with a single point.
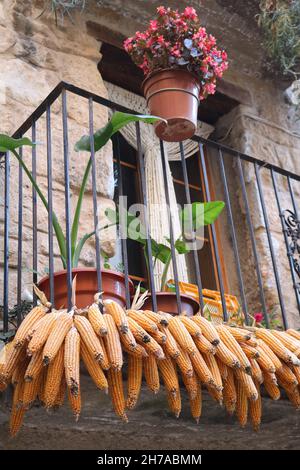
(151, 427)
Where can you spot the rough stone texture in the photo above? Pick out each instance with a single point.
(35, 56)
(151, 426)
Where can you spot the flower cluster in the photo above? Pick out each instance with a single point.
(177, 40)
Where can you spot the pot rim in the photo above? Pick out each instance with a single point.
(188, 298)
(90, 269)
(169, 69)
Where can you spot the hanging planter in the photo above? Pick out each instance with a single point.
(113, 286)
(181, 63)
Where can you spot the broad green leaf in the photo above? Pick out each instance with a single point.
(80, 245)
(181, 247)
(203, 213)
(8, 143)
(101, 137)
(117, 121)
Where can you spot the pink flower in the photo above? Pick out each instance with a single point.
(160, 40)
(210, 88)
(128, 44)
(161, 11)
(153, 25)
(190, 13)
(258, 317)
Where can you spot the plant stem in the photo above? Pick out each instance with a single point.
(165, 272)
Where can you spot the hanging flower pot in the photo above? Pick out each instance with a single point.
(182, 89)
(181, 63)
(113, 287)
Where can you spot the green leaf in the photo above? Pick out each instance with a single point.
(117, 121)
(181, 247)
(79, 247)
(203, 213)
(8, 143)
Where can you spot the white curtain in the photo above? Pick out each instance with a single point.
(157, 208)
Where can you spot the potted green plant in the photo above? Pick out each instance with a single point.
(113, 283)
(181, 63)
(193, 217)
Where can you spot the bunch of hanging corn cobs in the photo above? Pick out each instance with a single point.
(43, 360)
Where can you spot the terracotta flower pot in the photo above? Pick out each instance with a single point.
(173, 95)
(167, 302)
(113, 286)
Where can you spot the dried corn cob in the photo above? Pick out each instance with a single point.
(60, 397)
(294, 397)
(286, 375)
(174, 402)
(265, 362)
(204, 346)
(135, 369)
(146, 323)
(275, 360)
(277, 347)
(247, 383)
(159, 337)
(192, 327)
(159, 318)
(208, 329)
(75, 403)
(138, 351)
(14, 356)
(170, 346)
(31, 390)
(234, 347)
(256, 371)
(196, 404)
(239, 334)
(229, 392)
(72, 360)
(294, 333)
(226, 356)
(169, 375)
(214, 369)
(184, 363)
(118, 314)
(33, 316)
(58, 333)
(296, 371)
(272, 389)
(113, 343)
(34, 367)
(94, 369)
(41, 334)
(181, 335)
(151, 373)
(222, 368)
(54, 378)
(241, 404)
(96, 320)
(255, 410)
(251, 353)
(191, 384)
(19, 372)
(270, 377)
(104, 362)
(147, 341)
(288, 341)
(89, 337)
(115, 384)
(201, 369)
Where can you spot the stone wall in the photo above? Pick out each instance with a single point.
(35, 56)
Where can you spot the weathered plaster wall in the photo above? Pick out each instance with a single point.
(35, 55)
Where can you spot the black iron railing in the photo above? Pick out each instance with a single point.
(224, 157)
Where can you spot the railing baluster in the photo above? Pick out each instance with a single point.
(95, 202)
(172, 240)
(67, 197)
(188, 201)
(6, 242)
(292, 197)
(20, 236)
(289, 255)
(213, 232)
(116, 151)
(271, 247)
(50, 204)
(233, 235)
(141, 169)
(253, 241)
(34, 214)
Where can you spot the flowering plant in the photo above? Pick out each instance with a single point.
(176, 40)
